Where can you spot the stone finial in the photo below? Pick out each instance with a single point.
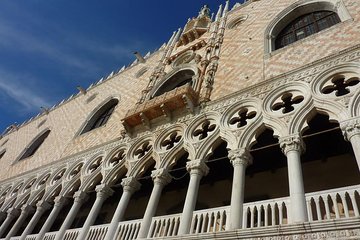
(204, 11)
(292, 143)
(218, 14)
(130, 184)
(161, 176)
(197, 167)
(240, 156)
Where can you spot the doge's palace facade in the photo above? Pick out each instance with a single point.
(244, 125)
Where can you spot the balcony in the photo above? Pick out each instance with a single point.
(331, 212)
(161, 106)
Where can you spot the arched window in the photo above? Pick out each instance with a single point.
(305, 26)
(34, 146)
(2, 154)
(101, 117)
(177, 80)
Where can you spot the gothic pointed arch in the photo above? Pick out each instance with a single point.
(99, 116)
(34, 145)
(176, 78)
(302, 19)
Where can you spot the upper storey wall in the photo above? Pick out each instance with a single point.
(244, 61)
(66, 121)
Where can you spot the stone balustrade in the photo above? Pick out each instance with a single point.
(334, 204)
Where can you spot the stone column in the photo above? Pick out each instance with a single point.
(130, 185)
(161, 177)
(240, 159)
(102, 193)
(197, 170)
(292, 147)
(25, 211)
(41, 207)
(352, 134)
(11, 214)
(79, 198)
(58, 205)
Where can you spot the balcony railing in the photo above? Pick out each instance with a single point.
(341, 203)
(161, 106)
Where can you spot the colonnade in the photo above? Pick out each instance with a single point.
(292, 147)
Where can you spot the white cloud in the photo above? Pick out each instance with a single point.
(12, 85)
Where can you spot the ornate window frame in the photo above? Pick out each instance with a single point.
(30, 145)
(296, 10)
(93, 116)
(171, 74)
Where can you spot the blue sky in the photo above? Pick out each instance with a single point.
(48, 47)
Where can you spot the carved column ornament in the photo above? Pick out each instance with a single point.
(42, 206)
(197, 167)
(103, 191)
(80, 196)
(130, 184)
(292, 143)
(240, 156)
(351, 129)
(161, 176)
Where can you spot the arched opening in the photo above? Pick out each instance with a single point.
(291, 19)
(177, 80)
(139, 199)
(218, 180)
(2, 153)
(173, 195)
(85, 208)
(304, 26)
(35, 145)
(329, 161)
(267, 177)
(101, 117)
(110, 204)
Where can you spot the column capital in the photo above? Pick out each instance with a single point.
(103, 191)
(13, 212)
(79, 196)
(292, 143)
(42, 205)
(350, 129)
(26, 209)
(161, 176)
(197, 167)
(240, 156)
(130, 184)
(59, 200)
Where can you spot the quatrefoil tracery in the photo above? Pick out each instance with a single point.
(59, 175)
(117, 157)
(243, 116)
(287, 103)
(206, 128)
(145, 148)
(95, 165)
(76, 170)
(171, 140)
(340, 86)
